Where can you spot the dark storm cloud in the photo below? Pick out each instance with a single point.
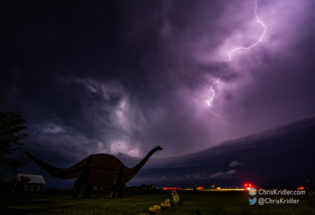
(125, 76)
(278, 157)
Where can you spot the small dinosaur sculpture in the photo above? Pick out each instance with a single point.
(99, 170)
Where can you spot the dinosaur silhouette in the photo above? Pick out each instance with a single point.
(99, 170)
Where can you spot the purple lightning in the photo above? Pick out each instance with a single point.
(239, 48)
(230, 58)
(213, 92)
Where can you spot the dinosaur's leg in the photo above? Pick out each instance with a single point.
(83, 179)
(87, 190)
(79, 189)
(112, 192)
(120, 192)
(74, 186)
(116, 192)
(118, 184)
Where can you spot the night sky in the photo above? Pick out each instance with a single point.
(122, 77)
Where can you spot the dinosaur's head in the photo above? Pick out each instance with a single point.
(159, 148)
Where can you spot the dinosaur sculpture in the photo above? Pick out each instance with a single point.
(99, 170)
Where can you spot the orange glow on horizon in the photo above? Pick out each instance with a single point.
(170, 188)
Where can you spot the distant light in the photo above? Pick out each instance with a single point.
(170, 188)
(248, 186)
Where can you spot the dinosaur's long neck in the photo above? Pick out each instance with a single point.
(136, 169)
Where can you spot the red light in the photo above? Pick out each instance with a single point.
(250, 185)
(301, 188)
(245, 185)
(170, 188)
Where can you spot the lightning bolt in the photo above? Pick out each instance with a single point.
(209, 102)
(260, 39)
(213, 91)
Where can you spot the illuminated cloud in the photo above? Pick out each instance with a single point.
(216, 175)
(223, 174)
(235, 163)
(117, 84)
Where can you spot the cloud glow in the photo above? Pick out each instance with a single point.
(209, 101)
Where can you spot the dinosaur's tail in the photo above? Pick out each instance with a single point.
(69, 173)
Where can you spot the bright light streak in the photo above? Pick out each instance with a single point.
(260, 39)
(209, 101)
(170, 188)
(213, 92)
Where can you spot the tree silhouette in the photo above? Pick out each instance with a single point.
(11, 125)
(23, 180)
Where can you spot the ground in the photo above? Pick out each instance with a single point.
(136, 202)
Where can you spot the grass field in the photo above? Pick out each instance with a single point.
(136, 202)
